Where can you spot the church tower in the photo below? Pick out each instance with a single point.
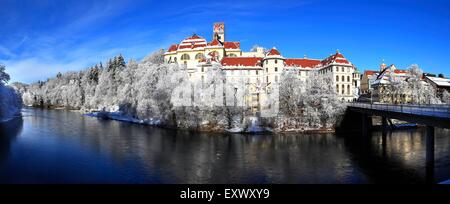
(382, 66)
(219, 31)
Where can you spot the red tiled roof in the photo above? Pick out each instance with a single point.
(242, 61)
(193, 37)
(232, 45)
(399, 71)
(370, 72)
(336, 58)
(302, 62)
(173, 48)
(215, 42)
(273, 51)
(192, 46)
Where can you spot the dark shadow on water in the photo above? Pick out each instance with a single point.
(8, 132)
(372, 157)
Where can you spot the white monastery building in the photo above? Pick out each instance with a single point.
(258, 68)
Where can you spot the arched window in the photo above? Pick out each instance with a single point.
(199, 56)
(337, 89)
(276, 69)
(337, 79)
(348, 78)
(232, 55)
(343, 89)
(175, 59)
(343, 69)
(276, 61)
(348, 89)
(343, 78)
(185, 57)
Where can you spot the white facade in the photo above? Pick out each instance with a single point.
(258, 70)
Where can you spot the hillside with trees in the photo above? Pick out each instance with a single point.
(153, 92)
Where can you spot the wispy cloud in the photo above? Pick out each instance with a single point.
(73, 44)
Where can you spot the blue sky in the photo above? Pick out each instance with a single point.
(40, 38)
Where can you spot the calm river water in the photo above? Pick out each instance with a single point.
(57, 146)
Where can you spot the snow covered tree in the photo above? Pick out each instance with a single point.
(4, 77)
(155, 58)
(290, 93)
(10, 100)
(446, 97)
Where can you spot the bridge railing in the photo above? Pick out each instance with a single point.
(429, 110)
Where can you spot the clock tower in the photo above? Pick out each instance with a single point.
(219, 31)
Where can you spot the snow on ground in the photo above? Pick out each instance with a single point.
(123, 118)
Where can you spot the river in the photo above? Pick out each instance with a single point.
(58, 146)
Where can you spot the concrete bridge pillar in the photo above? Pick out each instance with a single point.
(429, 157)
(366, 123)
(384, 128)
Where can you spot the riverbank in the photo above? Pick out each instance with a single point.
(251, 126)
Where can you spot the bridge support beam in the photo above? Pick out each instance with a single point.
(366, 122)
(429, 157)
(384, 127)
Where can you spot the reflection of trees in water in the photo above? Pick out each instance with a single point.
(401, 159)
(183, 157)
(8, 132)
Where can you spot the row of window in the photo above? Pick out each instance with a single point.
(201, 56)
(239, 71)
(342, 78)
(276, 61)
(342, 69)
(248, 71)
(343, 89)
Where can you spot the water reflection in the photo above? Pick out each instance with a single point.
(8, 132)
(64, 147)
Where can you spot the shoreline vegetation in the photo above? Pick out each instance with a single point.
(151, 91)
(155, 93)
(10, 100)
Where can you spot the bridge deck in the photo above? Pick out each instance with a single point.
(436, 115)
(424, 110)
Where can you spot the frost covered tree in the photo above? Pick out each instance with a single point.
(290, 93)
(313, 103)
(412, 89)
(446, 97)
(109, 81)
(4, 77)
(10, 100)
(421, 92)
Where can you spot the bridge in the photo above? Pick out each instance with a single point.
(429, 115)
